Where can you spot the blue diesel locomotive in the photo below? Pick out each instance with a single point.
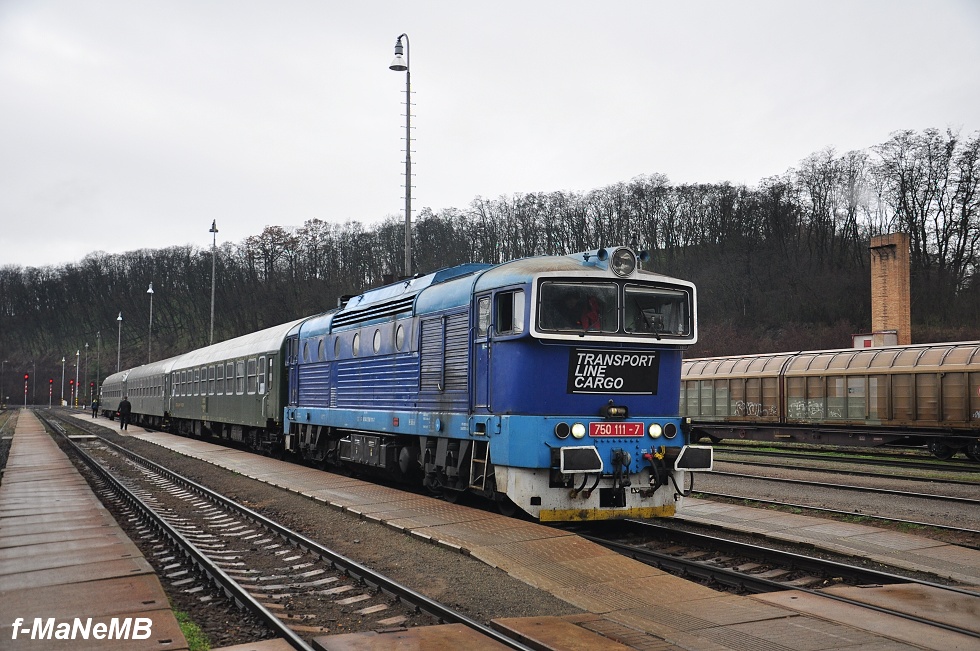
(549, 384)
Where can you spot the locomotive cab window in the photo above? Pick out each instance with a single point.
(578, 307)
(510, 313)
(657, 311)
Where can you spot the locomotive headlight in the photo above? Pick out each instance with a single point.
(561, 430)
(578, 430)
(623, 262)
(655, 431)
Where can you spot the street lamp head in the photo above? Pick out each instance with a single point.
(119, 318)
(214, 226)
(149, 291)
(399, 64)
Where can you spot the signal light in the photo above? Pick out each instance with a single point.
(71, 383)
(51, 381)
(27, 375)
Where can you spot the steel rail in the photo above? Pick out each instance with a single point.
(798, 561)
(214, 573)
(350, 567)
(836, 471)
(864, 458)
(863, 489)
(838, 512)
(756, 584)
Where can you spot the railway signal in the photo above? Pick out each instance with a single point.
(27, 376)
(50, 391)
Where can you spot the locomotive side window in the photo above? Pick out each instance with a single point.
(510, 312)
(399, 337)
(483, 311)
(579, 307)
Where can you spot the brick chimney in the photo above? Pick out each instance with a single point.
(890, 288)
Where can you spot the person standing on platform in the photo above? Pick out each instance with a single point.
(125, 408)
(95, 407)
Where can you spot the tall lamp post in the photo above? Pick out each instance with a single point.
(149, 330)
(3, 398)
(214, 250)
(76, 377)
(86, 377)
(400, 64)
(62, 380)
(119, 342)
(98, 356)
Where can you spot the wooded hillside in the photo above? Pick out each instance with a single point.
(780, 266)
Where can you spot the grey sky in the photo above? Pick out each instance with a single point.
(127, 125)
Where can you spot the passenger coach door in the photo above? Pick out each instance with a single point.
(481, 353)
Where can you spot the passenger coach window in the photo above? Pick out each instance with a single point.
(579, 307)
(262, 373)
(210, 380)
(230, 378)
(251, 376)
(197, 381)
(220, 379)
(510, 312)
(240, 377)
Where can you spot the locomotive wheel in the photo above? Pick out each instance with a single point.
(940, 450)
(973, 451)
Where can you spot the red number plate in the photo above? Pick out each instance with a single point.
(615, 429)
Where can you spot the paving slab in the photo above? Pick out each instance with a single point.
(873, 623)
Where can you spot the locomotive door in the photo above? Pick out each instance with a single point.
(481, 353)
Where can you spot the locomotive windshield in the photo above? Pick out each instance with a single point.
(607, 308)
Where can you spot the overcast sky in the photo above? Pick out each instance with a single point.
(128, 124)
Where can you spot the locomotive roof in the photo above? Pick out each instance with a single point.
(453, 287)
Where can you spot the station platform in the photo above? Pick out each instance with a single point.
(624, 601)
(64, 560)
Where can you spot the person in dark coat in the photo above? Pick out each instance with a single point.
(125, 408)
(95, 407)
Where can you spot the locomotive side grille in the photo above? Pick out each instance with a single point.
(391, 308)
(380, 382)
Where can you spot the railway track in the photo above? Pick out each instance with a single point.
(864, 458)
(744, 567)
(840, 512)
(296, 587)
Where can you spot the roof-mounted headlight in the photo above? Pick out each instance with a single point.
(623, 262)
